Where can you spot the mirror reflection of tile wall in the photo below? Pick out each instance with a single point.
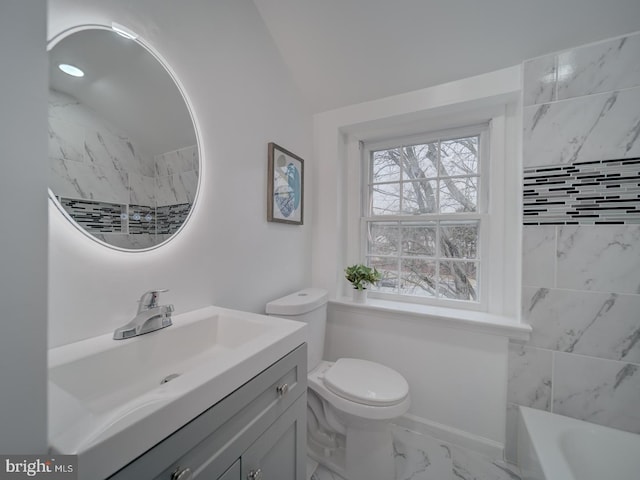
(110, 186)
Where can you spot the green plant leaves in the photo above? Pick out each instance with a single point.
(360, 276)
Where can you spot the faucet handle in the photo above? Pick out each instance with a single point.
(150, 299)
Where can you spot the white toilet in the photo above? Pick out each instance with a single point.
(350, 401)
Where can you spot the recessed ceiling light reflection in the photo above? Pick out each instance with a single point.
(71, 70)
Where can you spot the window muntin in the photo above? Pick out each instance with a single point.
(424, 218)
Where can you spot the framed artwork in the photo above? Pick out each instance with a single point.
(285, 189)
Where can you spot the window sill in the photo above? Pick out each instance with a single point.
(469, 320)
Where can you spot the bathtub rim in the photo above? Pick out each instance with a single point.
(541, 448)
(536, 435)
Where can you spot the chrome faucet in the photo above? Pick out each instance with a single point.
(150, 317)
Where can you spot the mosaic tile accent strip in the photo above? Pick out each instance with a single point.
(103, 217)
(171, 217)
(142, 219)
(583, 193)
(96, 217)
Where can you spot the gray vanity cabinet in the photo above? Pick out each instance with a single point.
(275, 454)
(258, 432)
(233, 473)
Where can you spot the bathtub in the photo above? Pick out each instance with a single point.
(553, 447)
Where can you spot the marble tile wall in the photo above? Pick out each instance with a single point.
(176, 176)
(90, 159)
(581, 282)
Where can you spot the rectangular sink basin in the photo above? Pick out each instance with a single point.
(111, 400)
(102, 380)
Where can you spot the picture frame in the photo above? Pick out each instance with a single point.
(285, 186)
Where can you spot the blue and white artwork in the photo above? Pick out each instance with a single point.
(286, 202)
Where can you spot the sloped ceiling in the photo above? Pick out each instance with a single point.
(342, 52)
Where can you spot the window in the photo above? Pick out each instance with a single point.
(425, 214)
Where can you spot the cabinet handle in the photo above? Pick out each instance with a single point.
(282, 389)
(255, 475)
(182, 474)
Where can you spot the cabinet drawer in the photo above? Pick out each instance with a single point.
(232, 473)
(280, 453)
(217, 437)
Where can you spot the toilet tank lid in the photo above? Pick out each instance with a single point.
(299, 302)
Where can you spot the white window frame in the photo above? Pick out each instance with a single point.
(489, 227)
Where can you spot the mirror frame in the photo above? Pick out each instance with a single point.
(140, 41)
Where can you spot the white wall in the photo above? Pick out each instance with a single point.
(23, 216)
(457, 377)
(228, 254)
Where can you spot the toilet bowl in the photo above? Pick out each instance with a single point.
(350, 401)
(357, 401)
(362, 389)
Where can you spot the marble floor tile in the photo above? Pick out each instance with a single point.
(419, 457)
(473, 466)
(312, 466)
(422, 457)
(323, 473)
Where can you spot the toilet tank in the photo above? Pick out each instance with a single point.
(308, 306)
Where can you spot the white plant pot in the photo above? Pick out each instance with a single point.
(359, 296)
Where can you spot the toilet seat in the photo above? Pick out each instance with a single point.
(370, 411)
(366, 382)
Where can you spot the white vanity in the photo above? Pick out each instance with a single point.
(219, 394)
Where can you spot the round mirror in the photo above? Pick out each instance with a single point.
(122, 142)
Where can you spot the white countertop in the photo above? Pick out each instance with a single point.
(110, 429)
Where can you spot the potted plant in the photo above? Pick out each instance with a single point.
(360, 277)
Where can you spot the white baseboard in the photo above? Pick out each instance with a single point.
(445, 433)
